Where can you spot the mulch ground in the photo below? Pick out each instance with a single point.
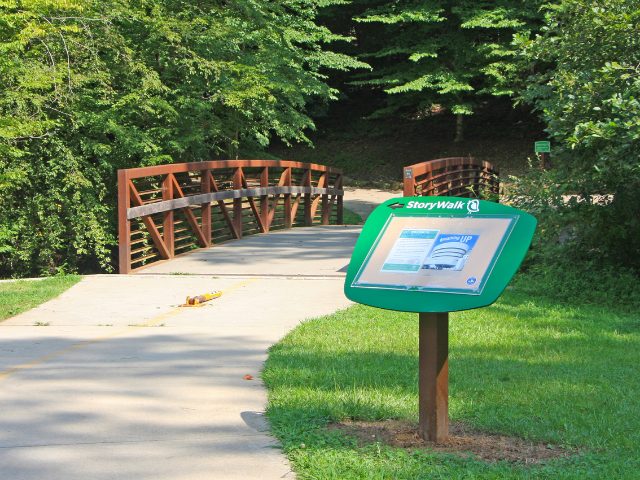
(462, 441)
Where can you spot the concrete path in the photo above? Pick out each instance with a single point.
(112, 380)
(364, 200)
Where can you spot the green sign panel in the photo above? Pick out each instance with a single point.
(542, 147)
(437, 254)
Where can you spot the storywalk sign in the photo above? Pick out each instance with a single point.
(434, 255)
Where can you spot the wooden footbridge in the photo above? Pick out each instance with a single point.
(169, 210)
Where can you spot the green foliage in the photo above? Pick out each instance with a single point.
(588, 92)
(92, 86)
(442, 54)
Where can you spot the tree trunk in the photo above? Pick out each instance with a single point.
(459, 128)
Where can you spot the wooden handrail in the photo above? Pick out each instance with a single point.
(217, 200)
(455, 176)
(220, 164)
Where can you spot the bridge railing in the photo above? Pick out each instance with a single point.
(167, 210)
(456, 177)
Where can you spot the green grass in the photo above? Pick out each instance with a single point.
(22, 295)
(530, 367)
(351, 218)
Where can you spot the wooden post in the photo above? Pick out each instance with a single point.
(409, 185)
(205, 187)
(264, 199)
(325, 199)
(308, 221)
(288, 219)
(237, 202)
(124, 224)
(433, 377)
(167, 222)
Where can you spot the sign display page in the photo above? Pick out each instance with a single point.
(435, 253)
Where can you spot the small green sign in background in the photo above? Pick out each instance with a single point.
(542, 147)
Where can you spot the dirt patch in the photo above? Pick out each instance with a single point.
(462, 440)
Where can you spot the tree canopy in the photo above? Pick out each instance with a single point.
(442, 54)
(92, 86)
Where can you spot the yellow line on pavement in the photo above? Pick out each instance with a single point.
(85, 343)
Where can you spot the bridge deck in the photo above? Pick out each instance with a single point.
(322, 251)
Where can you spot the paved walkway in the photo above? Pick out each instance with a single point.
(112, 380)
(364, 200)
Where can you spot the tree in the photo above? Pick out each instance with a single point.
(587, 90)
(91, 86)
(442, 54)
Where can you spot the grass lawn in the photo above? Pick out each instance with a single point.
(21, 295)
(529, 367)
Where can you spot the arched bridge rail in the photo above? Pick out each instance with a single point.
(456, 177)
(166, 210)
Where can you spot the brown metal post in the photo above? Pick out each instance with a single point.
(433, 377)
(264, 199)
(308, 221)
(205, 187)
(237, 202)
(325, 199)
(167, 223)
(288, 220)
(124, 224)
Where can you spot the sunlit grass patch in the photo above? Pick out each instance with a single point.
(22, 295)
(533, 368)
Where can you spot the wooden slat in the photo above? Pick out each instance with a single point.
(294, 208)
(223, 207)
(141, 249)
(148, 222)
(316, 202)
(254, 209)
(281, 182)
(191, 218)
(143, 258)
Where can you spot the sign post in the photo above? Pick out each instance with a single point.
(433, 376)
(543, 149)
(435, 255)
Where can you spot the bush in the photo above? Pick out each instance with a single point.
(589, 96)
